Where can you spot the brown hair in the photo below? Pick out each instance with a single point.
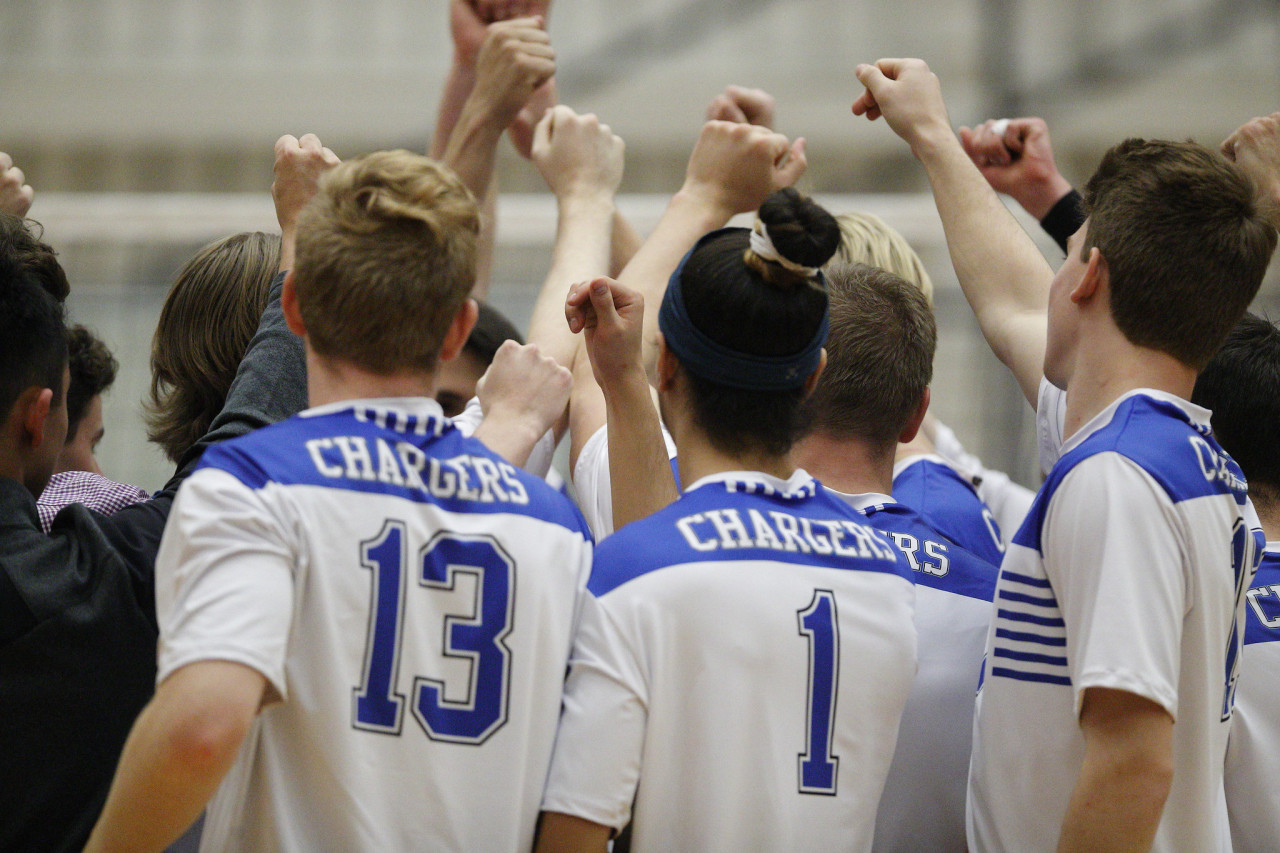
(1184, 241)
(22, 240)
(386, 258)
(93, 369)
(879, 355)
(205, 326)
(868, 239)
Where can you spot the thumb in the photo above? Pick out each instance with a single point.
(794, 166)
(542, 134)
(871, 77)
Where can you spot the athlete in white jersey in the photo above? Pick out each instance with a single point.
(365, 616)
(1108, 676)
(871, 400)
(744, 656)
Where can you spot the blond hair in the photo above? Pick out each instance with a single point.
(385, 260)
(867, 239)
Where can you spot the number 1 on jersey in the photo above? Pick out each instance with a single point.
(818, 624)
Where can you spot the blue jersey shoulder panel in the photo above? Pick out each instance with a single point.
(426, 460)
(1262, 614)
(936, 559)
(949, 503)
(1157, 436)
(716, 523)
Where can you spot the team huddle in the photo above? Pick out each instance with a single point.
(778, 606)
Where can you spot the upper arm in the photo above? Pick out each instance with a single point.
(562, 833)
(1018, 339)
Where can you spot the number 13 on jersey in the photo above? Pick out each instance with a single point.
(479, 638)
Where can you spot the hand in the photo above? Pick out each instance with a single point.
(299, 165)
(523, 388)
(611, 318)
(1017, 162)
(514, 61)
(526, 121)
(577, 155)
(736, 166)
(742, 106)
(1255, 148)
(909, 97)
(16, 194)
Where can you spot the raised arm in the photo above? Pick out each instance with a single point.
(523, 394)
(1002, 273)
(16, 194)
(1255, 148)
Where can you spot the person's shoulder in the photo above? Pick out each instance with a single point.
(936, 560)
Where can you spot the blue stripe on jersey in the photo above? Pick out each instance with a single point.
(937, 560)
(1262, 612)
(387, 452)
(723, 521)
(1047, 621)
(1006, 595)
(1158, 436)
(1030, 657)
(1041, 677)
(949, 503)
(1025, 637)
(1042, 583)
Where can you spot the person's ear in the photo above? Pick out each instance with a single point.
(34, 405)
(667, 366)
(913, 423)
(1095, 276)
(812, 381)
(289, 304)
(455, 338)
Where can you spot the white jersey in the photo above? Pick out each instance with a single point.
(1128, 574)
(1253, 754)
(410, 598)
(743, 659)
(922, 807)
(594, 486)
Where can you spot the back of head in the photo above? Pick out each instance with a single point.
(1241, 385)
(93, 369)
(1185, 244)
(764, 310)
(386, 258)
(20, 240)
(33, 338)
(879, 356)
(867, 239)
(207, 321)
(491, 331)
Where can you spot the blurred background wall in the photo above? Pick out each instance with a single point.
(146, 127)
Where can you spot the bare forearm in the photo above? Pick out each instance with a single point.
(457, 88)
(1002, 273)
(581, 252)
(626, 242)
(472, 149)
(641, 480)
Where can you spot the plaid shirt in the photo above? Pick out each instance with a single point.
(81, 487)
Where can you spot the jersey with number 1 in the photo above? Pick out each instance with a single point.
(1128, 573)
(740, 670)
(410, 599)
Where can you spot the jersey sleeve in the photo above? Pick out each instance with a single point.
(596, 764)
(540, 458)
(1114, 547)
(1051, 418)
(224, 580)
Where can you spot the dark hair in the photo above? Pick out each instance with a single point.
(93, 369)
(1184, 240)
(758, 307)
(491, 331)
(1241, 385)
(33, 339)
(205, 326)
(879, 355)
(20, 240)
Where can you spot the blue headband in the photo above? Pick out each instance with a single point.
(716, 363)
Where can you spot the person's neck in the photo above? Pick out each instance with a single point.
(1269, 517)
(698, 458)
(847, 465)
(333, 381)
(1108, 366)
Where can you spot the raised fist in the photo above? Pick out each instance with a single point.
(743, 106)
(16, 194)
(577, 155)
(736, 166)
(299, 165)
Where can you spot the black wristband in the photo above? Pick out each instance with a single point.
(1064, 218)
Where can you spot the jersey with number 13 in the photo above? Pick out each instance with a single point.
(410, 599)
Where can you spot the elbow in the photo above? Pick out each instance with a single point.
(208, 739)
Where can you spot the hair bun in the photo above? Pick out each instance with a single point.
(801, 230)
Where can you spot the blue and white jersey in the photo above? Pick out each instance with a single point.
(594, 484)
(743, 659)
(922, 807)
(1128, 573)
(410, 598)
(949, 502)
(1253, 753)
